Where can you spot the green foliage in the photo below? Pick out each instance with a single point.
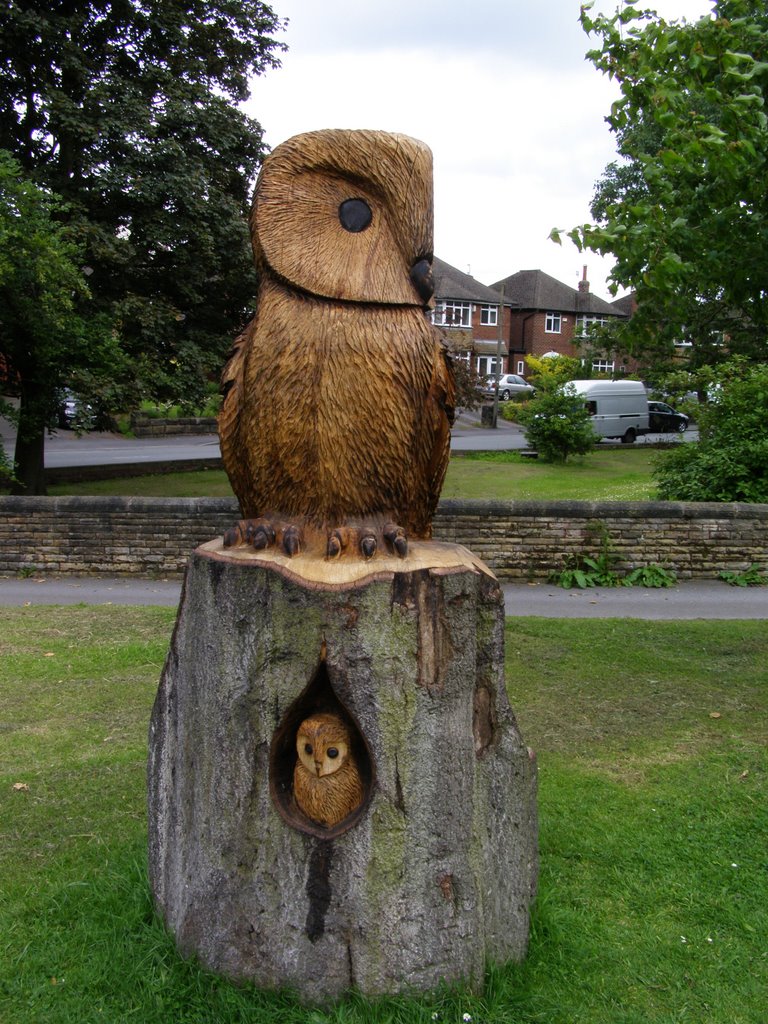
(599, 572)
(685, 213)
(587, 572)
(551, 371)
(49, 331)
(751, 577)
(652, 575)
(131, 113)
(557, 423)
(729, 462)
(600, 569)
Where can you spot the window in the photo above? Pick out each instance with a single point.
(489, 316)
(602, 365)
(453, 314)
(585, 323)
(552, 324)
(521, 366)
(486, 366)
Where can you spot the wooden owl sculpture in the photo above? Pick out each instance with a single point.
(335, 425)
(326, 781)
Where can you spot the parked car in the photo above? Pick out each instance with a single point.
(73, 410)
(509, 384)
(662, 419)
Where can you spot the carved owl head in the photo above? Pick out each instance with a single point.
(323, 744)
(347, 215)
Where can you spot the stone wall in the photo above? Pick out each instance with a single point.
(152, 426)
(520, 540)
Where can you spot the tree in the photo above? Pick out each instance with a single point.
(129, 112)
(556, 421)
(45, 337)
(686, 212)
(729, 462)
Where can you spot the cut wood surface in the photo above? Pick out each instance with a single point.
(341, 573)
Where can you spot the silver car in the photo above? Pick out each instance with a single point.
(509, 384)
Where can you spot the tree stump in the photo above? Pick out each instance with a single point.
(433, 873)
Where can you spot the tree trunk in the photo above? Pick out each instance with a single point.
(432, 873)
(29, 453)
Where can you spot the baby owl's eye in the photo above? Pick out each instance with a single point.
(307, 748)
(355, 215)
(332, 752)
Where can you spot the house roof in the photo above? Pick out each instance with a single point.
(626, 304)
(451, 283)
(533, 289)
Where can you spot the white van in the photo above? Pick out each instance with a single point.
(619, 408)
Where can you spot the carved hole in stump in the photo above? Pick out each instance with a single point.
(318, 699)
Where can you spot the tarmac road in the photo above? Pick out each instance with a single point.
(707, 599)
(64, 448)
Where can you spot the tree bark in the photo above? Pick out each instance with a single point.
(29, 452)
(432, 876)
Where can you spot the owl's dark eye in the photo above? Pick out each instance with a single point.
(355, 215)
(332, 752)
(307, 748)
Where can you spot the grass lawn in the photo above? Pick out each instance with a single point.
(605, 475)
(654, 829)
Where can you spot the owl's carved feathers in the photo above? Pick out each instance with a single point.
(339, 394)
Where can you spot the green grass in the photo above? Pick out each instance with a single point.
(204, 483)
(653, 831)
(614, 474)
(609, 475)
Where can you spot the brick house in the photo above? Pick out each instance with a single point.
(547, 316)
(468, 313)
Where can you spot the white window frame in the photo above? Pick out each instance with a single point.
(553, 323)
(486, 366)
(453, 313)
(603, 365)
(585, 323)
(489, 315)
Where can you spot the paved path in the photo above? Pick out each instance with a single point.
(701, 600)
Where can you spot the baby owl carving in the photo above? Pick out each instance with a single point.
(335, 425)
(326, 781)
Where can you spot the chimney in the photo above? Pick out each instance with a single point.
(584, 283)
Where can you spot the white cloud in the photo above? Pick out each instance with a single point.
(499, 89)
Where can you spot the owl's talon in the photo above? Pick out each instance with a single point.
(291, 541)
(368, 545)
(233, 537)
(336, 544)
(395, 537)
(262, 536)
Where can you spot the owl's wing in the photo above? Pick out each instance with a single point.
(441, 411)
(232, 388)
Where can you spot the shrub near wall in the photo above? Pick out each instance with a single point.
(520, 540)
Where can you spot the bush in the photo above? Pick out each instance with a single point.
(557, 424)
(729, 462)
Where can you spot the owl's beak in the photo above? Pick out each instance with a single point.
(318, 766)
(423, 282)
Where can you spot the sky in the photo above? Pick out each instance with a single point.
(501, 92)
